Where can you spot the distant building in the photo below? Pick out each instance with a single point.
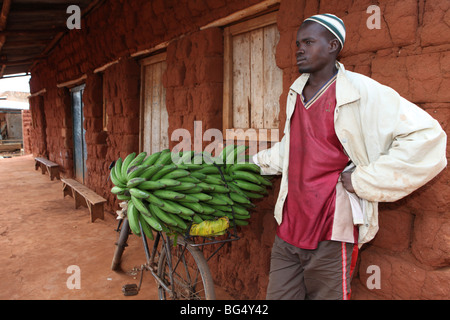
(12, 106)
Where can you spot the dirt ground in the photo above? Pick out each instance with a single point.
(42, 235)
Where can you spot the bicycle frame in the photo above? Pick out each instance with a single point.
(152, 266)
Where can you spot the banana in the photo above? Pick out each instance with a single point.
(216, 201)
(117, 190)
(126, 163)
(252, 195)
(151, 159)
(201, 196)
(163, 171)
(221, 189)
(139, 205)
(169, 194)
(239, 198)
(225, 151)
(208, 209)
(189, 166)
(165, 157)
(152, 222)
(170, 182)
(240, 210)
(138, 193)
(123, 197)
(186, 157)
(118, 171)
(150, 171)
(236, 189)
(195, 206)
(185, 216)
(155, 200)
(245, 175)
(223, 197)
(133, 219)
(145, 227)
(195, 189)
(205, 186)
(162, 215)
(197, 158)
(188, 198)
(198, 175)
(225, 177)
(182, 186)
(249, 186)
(183, 209)
(234, 156)
(136, 171)
(221, 213)
(209, 169)
(240, 216)
(135, 182)
(138, 159)
(114, 179)
(239, 157)
(244, 166)
(264, 181)
(206, 217)
(190, 178)
(175, 174)
(179, 221)
(164, 227)
(197, 219)
(213, 181)
(169, 207)
(152, 185)
(222, 208)
(240, 222)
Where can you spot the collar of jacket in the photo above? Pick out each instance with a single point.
(345, 91)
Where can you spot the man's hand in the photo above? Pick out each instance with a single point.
(346, 178)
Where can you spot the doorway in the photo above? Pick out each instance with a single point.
(79, 140)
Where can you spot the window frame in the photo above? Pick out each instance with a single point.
(262, 134)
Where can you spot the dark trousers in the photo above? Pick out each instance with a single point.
(320, 274)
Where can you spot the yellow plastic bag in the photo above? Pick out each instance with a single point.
(210, 227)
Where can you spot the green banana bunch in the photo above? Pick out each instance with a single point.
(178, 197)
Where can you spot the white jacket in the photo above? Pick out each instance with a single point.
(396, 146)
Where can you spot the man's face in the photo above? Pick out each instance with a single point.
(313, 47)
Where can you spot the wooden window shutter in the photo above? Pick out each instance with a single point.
(253, 82)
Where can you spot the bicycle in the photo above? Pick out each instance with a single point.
(178, 264)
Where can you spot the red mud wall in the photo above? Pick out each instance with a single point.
(26, 131)
(410, 52)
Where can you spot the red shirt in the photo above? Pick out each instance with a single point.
(316, 160)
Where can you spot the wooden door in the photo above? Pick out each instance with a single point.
(154, 118)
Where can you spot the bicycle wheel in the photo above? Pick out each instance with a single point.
(120, 245)
(191, 275)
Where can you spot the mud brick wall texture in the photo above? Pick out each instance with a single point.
(410, 52)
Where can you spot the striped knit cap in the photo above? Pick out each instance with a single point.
(334, 24)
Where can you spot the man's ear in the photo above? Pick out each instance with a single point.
(335, 46)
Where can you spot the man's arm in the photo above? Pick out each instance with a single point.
(271, 160)
(417, 153)
(346, 179)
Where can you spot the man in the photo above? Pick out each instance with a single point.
(349, 143)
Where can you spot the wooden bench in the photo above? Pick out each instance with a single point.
(47, 166)
(84, 197)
